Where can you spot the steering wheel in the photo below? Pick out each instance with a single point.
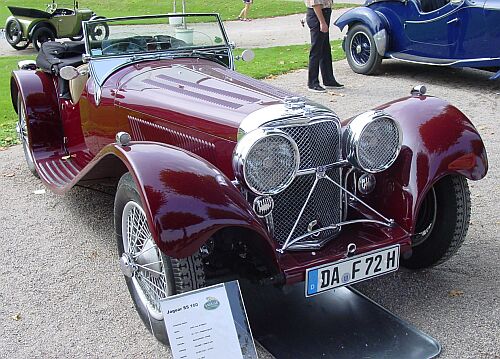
(122, 47)
(51, 7)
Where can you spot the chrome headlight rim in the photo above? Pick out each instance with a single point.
(244, 147)
(353, 133)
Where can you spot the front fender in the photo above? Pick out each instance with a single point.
(438, 140)
(186, 199)
(368, 17)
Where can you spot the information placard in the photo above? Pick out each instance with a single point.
(209, 323)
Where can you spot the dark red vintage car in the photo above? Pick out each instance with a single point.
(220, 175)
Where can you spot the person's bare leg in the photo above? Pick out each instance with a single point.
(243, 14)
(247, 9)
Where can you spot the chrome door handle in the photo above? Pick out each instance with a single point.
(453, 21)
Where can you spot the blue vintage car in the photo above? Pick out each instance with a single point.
(456, 33)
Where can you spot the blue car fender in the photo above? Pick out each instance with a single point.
(371, 19)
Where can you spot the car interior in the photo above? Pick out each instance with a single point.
(431, 5)
(53, 56)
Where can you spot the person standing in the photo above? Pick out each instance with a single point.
(243, 16)
(320, 55)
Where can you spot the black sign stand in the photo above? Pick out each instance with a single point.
(340, 324)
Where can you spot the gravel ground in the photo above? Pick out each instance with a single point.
(62, 294)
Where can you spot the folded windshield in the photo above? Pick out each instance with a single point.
(153, 34)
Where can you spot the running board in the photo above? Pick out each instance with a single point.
(340, 324)
(438, 62)
(60, 171)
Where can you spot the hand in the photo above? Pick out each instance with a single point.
(323, 27)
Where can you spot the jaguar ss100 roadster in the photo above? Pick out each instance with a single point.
(219, 175)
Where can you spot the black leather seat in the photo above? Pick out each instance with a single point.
(431, 5)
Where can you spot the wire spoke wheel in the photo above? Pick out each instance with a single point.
(23, 134)
(149, 276)
(442, 223)
(426, 219)
(360, 48)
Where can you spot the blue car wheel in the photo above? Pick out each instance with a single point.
(361, 50)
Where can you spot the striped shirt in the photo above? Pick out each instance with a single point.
(324, 3)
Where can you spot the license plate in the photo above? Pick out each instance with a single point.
(352, 270)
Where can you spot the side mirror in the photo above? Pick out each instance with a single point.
(247, 55)
(69, 73)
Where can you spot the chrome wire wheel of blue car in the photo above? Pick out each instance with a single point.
(361, 51)
(150, 274)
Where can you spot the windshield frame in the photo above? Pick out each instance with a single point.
(164, 52)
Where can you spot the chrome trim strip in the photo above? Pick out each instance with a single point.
(274, 113)
(453, 62)
(327, 167)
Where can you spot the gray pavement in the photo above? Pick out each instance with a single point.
(62, 294)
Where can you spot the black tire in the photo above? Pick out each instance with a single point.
(41, 35)
(179, 275)
(361, 51)
(14, 35)
(24, 136)
(442, 223)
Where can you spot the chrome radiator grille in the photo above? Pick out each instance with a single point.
(319, 145)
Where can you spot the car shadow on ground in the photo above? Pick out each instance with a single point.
(439, 75)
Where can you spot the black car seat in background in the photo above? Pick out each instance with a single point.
(431, 5)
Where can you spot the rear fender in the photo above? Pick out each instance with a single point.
(438, 140)
(186, 199)
(38, 92)
(368, 17)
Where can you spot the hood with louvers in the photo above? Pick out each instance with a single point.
(201, 90)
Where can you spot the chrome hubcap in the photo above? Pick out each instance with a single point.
(127, 265)
(427, 219)
(142, 261)
(358, 49)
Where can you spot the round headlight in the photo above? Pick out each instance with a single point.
(266, 161)
(372, 141)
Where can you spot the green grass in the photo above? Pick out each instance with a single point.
(279, 60)
(228, 10)
(8, 116)
(268, 62)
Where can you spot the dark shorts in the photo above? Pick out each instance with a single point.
(247, 1)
